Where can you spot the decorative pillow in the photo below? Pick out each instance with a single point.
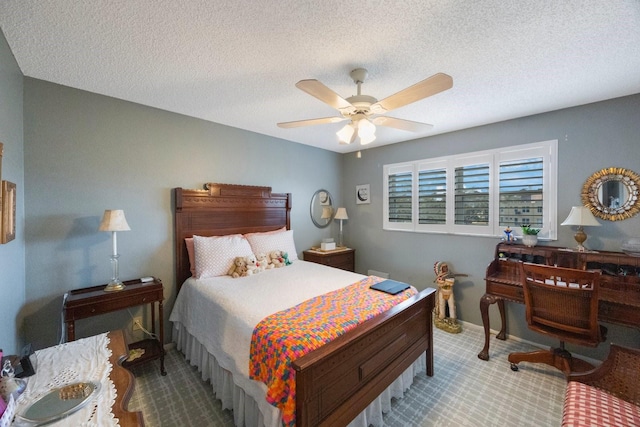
(273, 241)
(192, 260)
(214, 255)
(266, 233)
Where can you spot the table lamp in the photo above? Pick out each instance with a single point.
(341, 214)
(114, 220)
(327, 212)
(580, 216)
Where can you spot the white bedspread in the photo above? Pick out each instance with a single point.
(221, 313)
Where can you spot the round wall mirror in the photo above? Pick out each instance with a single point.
(322, 211)
(612, 194)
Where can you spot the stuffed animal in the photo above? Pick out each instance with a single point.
(276, 259)
(238, 268)
(264, 262)
(285, 255)
(252, 265)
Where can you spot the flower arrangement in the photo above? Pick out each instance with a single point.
(528, 230)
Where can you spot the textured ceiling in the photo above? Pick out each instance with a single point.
(237, 62)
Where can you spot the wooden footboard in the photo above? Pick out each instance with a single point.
(338, 381)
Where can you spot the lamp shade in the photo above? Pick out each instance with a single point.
(114, 220)
(341, 213)
(346, 135)
(327, 211)
(581, 215)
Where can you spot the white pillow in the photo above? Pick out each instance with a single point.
(214, 255)
(273, 241)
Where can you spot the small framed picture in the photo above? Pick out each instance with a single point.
(8, 212)
(362, 194)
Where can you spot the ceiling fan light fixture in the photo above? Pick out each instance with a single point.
(366, 128)
(347, 134)
(367, 139)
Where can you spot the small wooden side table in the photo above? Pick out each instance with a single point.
(343, 258)
(89, 302)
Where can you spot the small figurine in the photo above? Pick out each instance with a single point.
(445, 281)
(508, 235)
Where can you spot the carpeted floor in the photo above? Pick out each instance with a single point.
(465, 391)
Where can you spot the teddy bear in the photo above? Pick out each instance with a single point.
(264, 262)
(238, 268)
(276, 259)
(252, 265)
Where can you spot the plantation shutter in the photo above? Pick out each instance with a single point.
(471, 185)
(400, 197)
(521, 193)
(432, 196)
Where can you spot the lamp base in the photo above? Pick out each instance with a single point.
(114, 285)
(580, 237)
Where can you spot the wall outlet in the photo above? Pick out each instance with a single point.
(137, 323)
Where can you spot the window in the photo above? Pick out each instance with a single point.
(476, 193)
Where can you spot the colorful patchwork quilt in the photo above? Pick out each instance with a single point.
(289, 334)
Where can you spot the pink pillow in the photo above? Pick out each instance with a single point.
(214, 255)
(266, 233)
(273, 241)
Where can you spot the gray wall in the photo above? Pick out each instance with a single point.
(82, 153)
(591, 137)
(85, 153)
(12, 277)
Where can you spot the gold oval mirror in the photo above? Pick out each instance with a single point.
(612, 194)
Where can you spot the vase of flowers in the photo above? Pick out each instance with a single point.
(529, 235)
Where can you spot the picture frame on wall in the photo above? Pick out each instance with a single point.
(1, 216)
(362, 194)
(8, 212)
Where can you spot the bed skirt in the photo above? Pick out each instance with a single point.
(251, 413)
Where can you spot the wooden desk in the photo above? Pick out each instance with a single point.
(123, 381)
(619, 294)
(88, 302)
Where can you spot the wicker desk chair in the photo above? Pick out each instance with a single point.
(563, 303)
(618, 375)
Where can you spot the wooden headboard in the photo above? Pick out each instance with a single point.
(222, 209)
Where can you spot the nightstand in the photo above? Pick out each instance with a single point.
(344, 258)
(89, 302)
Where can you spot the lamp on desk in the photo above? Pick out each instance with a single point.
(114, 220)
(341, 214)
(581, 216)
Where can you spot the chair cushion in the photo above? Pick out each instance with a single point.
(585, 405)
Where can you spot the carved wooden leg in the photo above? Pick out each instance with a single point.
(502, 335)
(485, 301)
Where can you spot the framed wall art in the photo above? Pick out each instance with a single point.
(8, 212)
(362, 194)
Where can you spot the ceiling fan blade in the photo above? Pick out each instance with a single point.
(427, 87)
(311, 122)
(402, 124)
(316, 89)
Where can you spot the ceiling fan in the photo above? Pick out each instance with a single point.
(364, 111)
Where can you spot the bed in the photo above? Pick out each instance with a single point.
(349, 380)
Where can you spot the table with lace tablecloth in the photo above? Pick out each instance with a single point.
(94, 359)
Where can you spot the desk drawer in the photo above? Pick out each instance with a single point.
(512, 292)
(89, 309)
(622, 314)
